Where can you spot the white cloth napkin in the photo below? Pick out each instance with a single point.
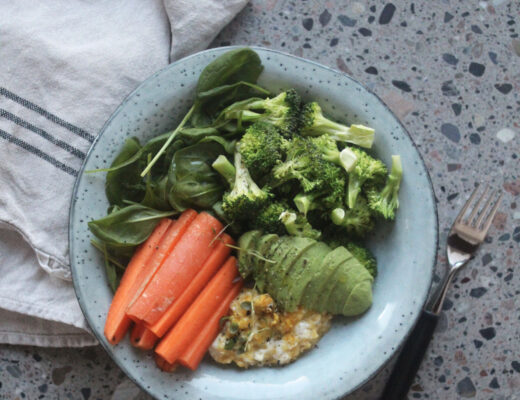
(65, 65)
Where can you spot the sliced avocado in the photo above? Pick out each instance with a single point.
(321, 282)
(302, 272)
(360, 299)
(350, 274)
(246, 242)
(298, 246)
(263, 247)
(276, 254)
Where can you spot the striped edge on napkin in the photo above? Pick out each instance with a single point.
(65, 67)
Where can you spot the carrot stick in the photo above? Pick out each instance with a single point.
(177, 270)
(164, 365)
(169, 241)
(193, 355)
(117, 323)
(212, 264)
(176, 342)
(142, 337)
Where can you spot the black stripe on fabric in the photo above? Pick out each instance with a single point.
(51, 117)
(38, 153)
(42, 133)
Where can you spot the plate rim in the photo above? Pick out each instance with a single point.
(388, 357)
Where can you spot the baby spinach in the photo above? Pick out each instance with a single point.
(128, 226)
(123, 181)
(191, 179)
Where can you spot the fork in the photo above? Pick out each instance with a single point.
(464, 238)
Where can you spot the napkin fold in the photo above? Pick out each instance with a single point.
(65, 66)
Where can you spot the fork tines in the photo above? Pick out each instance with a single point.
(480, 218)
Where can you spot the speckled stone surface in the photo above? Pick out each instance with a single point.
(451, 71)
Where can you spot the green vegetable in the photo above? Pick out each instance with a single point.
(305, 163)
(224, 167)
(261, 148)
(357, 221)
(297, 225)
(345, 158)
(306, 272)
(123, 182)
(129, 226)
(366, 170)
(386, 202)
(314, 123)
(268, 219)
(364, 256)
(245, 198)
(282, 111)
(192, 182)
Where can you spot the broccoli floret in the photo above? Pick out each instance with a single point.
(261, 148)
(224, 167)
(386, 202)
(297, 225)
(364, 256)
(357, 221)
(304, 163)
(326, 199)
(282, 111)
(366, 170)
(314, 123)
(245, 198)
(268, 219)
(345, 158)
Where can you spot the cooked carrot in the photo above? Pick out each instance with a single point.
(168, 242)
(142, 337)
(164, 365)
(195, 352)
(177, 270)
(117, 323)
(177, 340)
(179, 306)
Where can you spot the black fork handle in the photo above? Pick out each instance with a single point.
(411, 356)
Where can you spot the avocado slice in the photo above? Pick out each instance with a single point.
(247, 242)
(360, 299)
(298, 246)
(302, 272)
(321, 282)
(263, 247)
(348, 278)
(276, 254)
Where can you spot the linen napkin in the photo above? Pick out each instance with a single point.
(65, 66)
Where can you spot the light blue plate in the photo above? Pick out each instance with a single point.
(354, 350)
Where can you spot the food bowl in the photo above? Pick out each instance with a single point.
(355, 349)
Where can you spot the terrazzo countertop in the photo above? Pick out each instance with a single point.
(451, 71)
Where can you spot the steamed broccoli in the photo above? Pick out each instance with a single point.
(224, 167)
(305, 163)
(366, 170)
(345, 158)
(326, 199)
(282, 111)
(297, 225)
(357, 220)
(364, 256)
(261, 148)
(245, 197)
(314, 123)
(386, 201)
(268, 219)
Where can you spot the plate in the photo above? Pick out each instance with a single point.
(354, 350)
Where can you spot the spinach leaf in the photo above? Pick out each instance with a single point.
(233, 66)
(227, 145)
(156, 195)
(192, 182)
(110, 269)
(124, 182)
(128, 226)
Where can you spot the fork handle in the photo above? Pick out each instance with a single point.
(411, 357)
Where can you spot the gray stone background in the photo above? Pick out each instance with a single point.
(450, 70)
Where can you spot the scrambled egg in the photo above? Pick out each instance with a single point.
(257, 334)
